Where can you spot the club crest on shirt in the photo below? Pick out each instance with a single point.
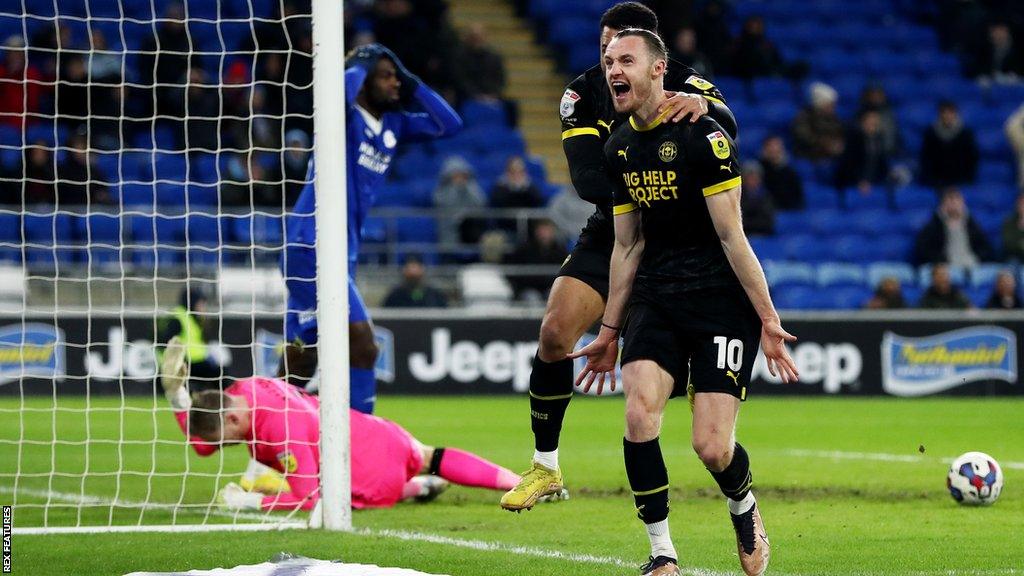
(288, 462)
(568, 105)
(699, 83)
(719, 145)
(667, 151)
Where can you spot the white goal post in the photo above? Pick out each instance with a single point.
(150, 158)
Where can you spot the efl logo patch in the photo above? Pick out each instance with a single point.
(667, 151)
(719, 145)
(699, 83)
(288, 462)
(568, 105)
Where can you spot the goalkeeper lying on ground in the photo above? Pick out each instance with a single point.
(280, 425)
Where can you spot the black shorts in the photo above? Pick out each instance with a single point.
(708, 337)
(590, 260)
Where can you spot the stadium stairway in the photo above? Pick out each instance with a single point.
(533, 81)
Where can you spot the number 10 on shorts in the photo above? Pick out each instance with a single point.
(729, 352)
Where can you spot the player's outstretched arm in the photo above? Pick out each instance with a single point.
(724, 208)
(602, 353)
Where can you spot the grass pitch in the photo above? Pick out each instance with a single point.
(842, 484)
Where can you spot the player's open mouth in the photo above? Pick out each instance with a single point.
(620, 88)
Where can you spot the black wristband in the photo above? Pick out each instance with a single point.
(615, 328)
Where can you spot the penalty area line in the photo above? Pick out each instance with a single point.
(880, 457)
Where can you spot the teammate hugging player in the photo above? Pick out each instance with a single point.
(697, 298)
(579, 292)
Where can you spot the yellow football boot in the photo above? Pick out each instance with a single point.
(537, 482)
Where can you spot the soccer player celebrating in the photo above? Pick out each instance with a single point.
(579, 292)
(377, 86)
(280, 425)
(696, 295)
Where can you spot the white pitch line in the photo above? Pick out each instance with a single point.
(881, 456)
(90, 500)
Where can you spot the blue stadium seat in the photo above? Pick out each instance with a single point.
(479, 113)
(788, 273)
(876, 199)
(995, 171)
(767, 248)
(992, 144)
(49, 239)
(205, 230)
(170, 167)
(869, 222)
(826, 222)
(772, 89)
(805, 248)
(985, 274)
(99, 229)
(203, 168)
(846, 297)
(790, 221)
(798, 298)
(819, 197)
(831, 274)
(979, 295)
(892, 246)
(851, 248)
(902, 271)
(416, 229)
(200, 196)
(916, 197)
(138, 196)
(918, 218)
(375, 230)
(170, 194)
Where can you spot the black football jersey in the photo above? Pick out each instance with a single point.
(666, 171)
(586, 111)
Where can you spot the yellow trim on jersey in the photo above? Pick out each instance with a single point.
(649, 492)
(713, 99)
(654, 123)
(623, 209)
(560, 397)
(580, 132)
(723, 186)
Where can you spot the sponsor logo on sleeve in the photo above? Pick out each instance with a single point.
(719, 145)
(932, 364)
(568, 105)
(699, 83)
(33, 350)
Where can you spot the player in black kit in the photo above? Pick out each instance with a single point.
(579, 292)
(698, 302)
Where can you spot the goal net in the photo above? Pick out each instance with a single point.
(150, 154)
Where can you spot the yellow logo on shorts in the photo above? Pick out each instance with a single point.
(735, 377)
(667, 151)
(288, 462)
(719, 145)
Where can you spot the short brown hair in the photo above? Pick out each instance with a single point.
(206, 418)
(655, 45)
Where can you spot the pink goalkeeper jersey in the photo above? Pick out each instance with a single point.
(285, 435)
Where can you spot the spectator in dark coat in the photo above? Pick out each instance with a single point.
(817, 129)
(952, 236)
(1013, 233)
(544, 247)
(999, 57)
(79, 180)
(755, 202)
(888, 296)
(18, 97)
(414, 292)
(482, 67)
(865, 160)
(515, 189)
(781, 180)
(172, 44)
(949, 153)
(754, 54)
(875, 99)
(684, 49)
(36, 172)
(1004, 293)
(942, 293)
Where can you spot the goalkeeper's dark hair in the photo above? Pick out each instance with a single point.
(206, 417)
(630, 15)
(655, 45)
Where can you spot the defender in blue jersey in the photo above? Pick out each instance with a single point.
(378, 88)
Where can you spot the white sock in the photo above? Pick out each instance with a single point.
(661, 541)
(738, 507)
(546, 459)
